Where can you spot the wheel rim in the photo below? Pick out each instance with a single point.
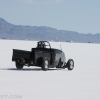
(71, 64)
(46, 64)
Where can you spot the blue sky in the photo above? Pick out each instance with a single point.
(75, 15)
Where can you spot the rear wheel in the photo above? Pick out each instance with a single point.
(70, 64)
(19, 66)
(45, 64)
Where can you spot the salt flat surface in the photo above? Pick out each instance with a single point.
(31, 83)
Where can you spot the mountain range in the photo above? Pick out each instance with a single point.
(11, 31)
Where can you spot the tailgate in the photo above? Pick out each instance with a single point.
(17, 54)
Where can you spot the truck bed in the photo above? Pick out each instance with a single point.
(20, 54)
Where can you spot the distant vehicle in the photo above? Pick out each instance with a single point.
(90, 42)
(69, 41)
(41, 56)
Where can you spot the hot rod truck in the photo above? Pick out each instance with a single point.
(42, 56)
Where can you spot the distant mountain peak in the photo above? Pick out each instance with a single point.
(2, 21)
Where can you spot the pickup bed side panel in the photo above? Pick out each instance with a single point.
(17, 54)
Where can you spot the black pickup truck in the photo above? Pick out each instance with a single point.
(42, 56)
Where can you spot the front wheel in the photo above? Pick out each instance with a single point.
(45, 64)
(70, 64)
(19, 66)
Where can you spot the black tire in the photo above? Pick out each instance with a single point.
(19, 66)
(45, 64)
(70, 64)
